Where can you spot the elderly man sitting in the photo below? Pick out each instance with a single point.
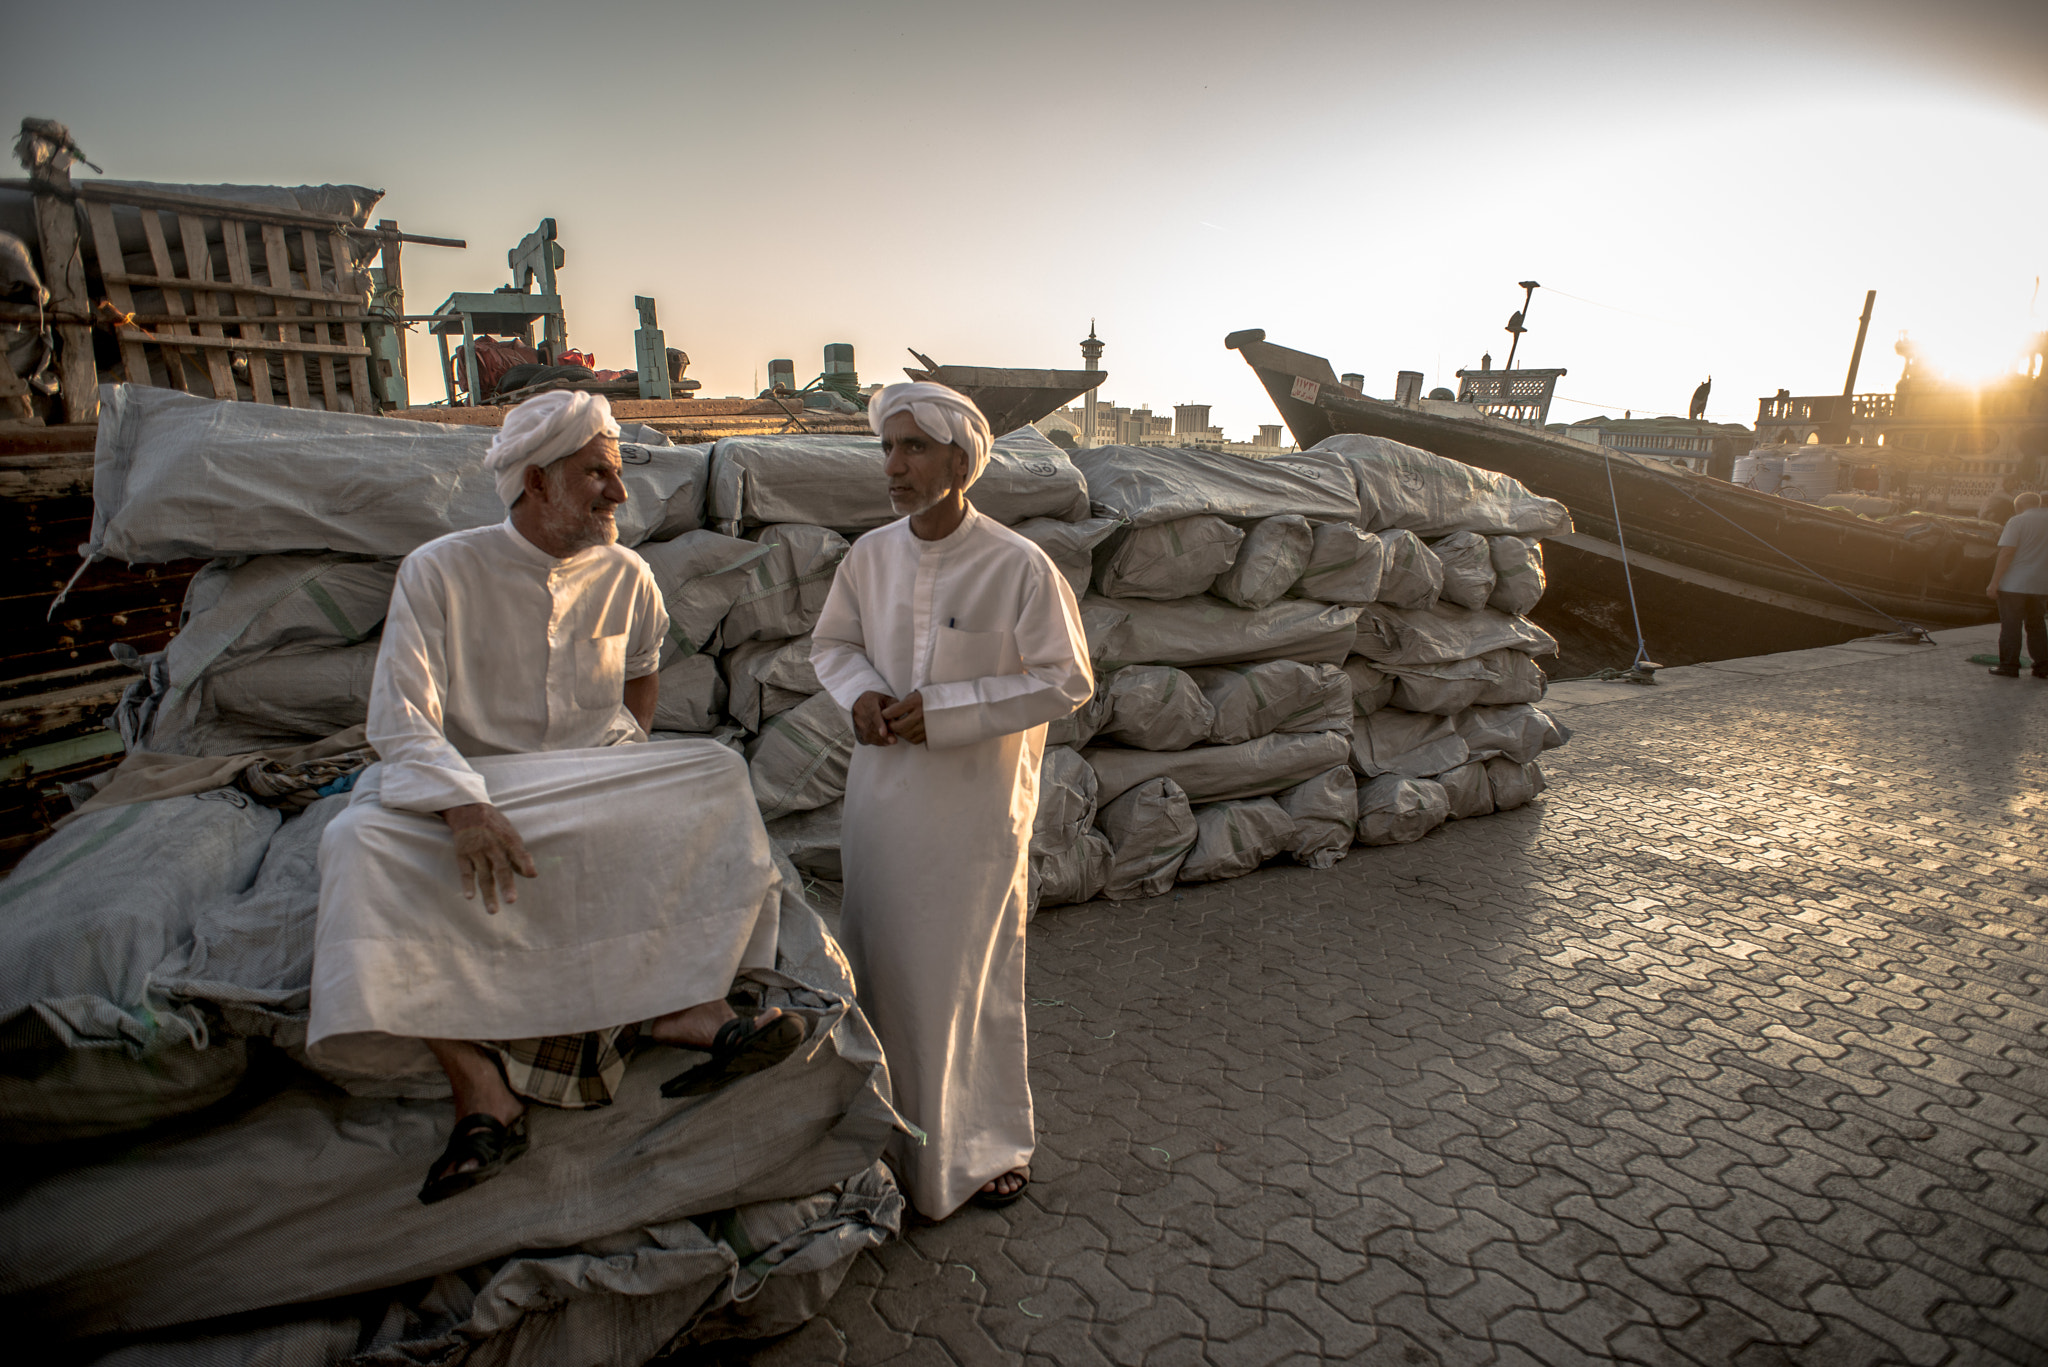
(517, 661)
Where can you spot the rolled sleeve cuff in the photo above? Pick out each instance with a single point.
(411, 786)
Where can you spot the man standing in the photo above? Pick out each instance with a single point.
(952, 641)
(2019, 585)
(517, 661)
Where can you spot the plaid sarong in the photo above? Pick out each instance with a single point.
(570, 1071)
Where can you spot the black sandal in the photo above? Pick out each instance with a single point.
(480, 1137)
(996, 1200)
(739, 1049)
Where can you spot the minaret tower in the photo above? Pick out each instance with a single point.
(1091, 355)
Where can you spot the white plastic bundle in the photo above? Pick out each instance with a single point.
(1393, 810)
(799, 760)
(1274, 555)
(1233, 838)
(1516, 678)
(1069, 545)
(1467, 562)
(1076, 872)
(1518, 573)
(1513, 784)
(700, 576)
(766, 678)
(1444, 690)
(1151, 828)
(1177, 559)
(1413, 576)
(1344, 566)
(690, 695)
(1254, 700)
(1156, 707)
(1066, 801)
(1371, 687)
(1078, 727)
(1324, 811)
(1519, 733)
(1467, 790)
(1413, 744)
(788, 585)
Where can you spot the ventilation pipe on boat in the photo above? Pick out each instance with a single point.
(1353, 379)
(781, 375)
(1407, 386)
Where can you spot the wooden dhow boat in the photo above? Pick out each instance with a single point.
(1693, 542)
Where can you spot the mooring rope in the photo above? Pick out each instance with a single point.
(1628, 577)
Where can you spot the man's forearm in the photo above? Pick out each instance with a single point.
(641, 694)
(2005, 555)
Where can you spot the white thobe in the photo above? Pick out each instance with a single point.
(501, 679)
(934, 836)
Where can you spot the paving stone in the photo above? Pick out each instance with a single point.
(1730, 1049)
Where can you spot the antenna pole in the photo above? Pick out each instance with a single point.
(1856, 356)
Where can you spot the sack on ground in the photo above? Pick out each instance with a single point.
(1413, 576)
(1519, 580)
(1150, 828)
(1513, 784)
(1402, 486)
(1155, 707)
(1274, 695)
(1324, 811)
(1515, 678)
(1079, 726)
(1445, 690)
(788, 585)
(1467, 559)
(1217, 773)
(1077, 872)
(798, 762)
(1274, 555)
(1176, 559)
(1412, 744)
(1209, 631)
(810, 840)
(700, 576)
(1066, 801)
(1519, 733)
(1439, 635)
(1345, 564)
(1069, 545)
(1149, 485)
(1466, 790)
(1394, 810)
(690, 695)
(767, 678)
(1233, 838)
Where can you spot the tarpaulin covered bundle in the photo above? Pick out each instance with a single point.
(1324, 811)
(1394, 809)
(148, 1241)
(1167, 560)
(1215, 773)
(1070, 545)
(1233, 838)
(836, 481)
(1147, 485)
(1403, 486)
(1156, 707)
(1444, 633)
(1150, 829)
(1253, 700)
(176, 477)
(1204, 631)
(1274, 556)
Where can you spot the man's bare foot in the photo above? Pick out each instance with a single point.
(1003, 1190)
(696, 1027)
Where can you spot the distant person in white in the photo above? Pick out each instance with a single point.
(517, 662)
(2019, 585)
(952, 641)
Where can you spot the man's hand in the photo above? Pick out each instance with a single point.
(906, 718)
(868, 726)
(489, 852)
(1992, 592)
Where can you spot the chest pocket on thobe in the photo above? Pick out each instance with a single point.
(601, 657)
(958, 656)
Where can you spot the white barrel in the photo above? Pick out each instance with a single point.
(1760, 471)
(1810, 476)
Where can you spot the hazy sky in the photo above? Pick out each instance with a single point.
(1717, 184)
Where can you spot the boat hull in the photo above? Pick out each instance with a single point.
(1933, 578)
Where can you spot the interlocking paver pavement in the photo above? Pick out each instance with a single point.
(1728, 1051)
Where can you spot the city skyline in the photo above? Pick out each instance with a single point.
(1700, 193)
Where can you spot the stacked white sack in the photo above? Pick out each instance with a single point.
(1349, 625)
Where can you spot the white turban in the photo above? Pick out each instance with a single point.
(541, 431)
(942, 414)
